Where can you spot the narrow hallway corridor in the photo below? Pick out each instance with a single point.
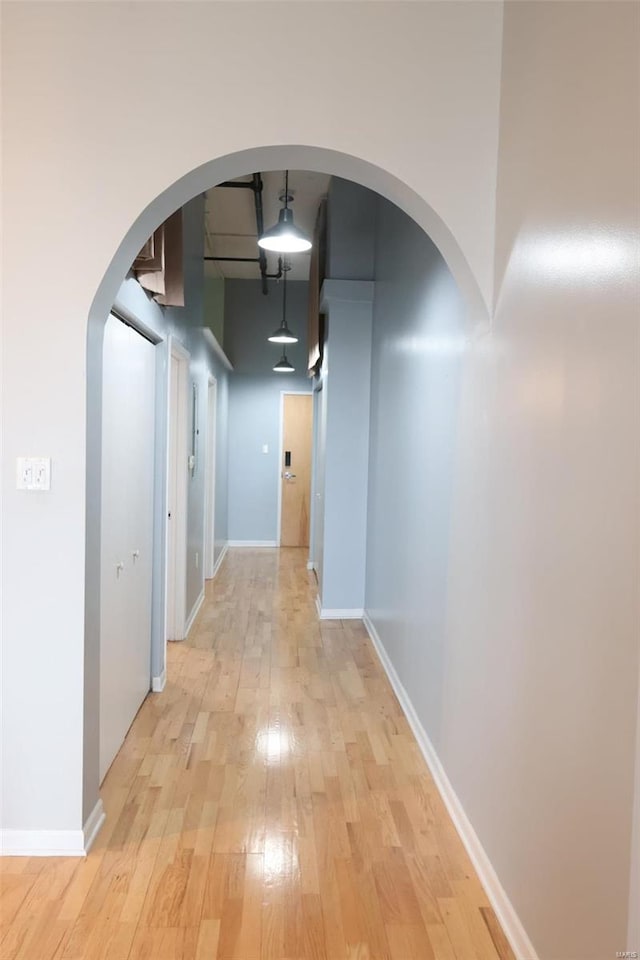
(270, 804)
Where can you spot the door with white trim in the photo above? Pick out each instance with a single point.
(297, 422)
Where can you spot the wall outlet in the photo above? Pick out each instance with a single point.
(265, 448)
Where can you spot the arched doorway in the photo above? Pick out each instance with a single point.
(176, 195)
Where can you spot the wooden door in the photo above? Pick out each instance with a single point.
(128, 415)
(297, 424)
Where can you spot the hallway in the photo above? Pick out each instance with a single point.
(271, 804)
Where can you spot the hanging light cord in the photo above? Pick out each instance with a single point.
(286, 189)
(284, 299)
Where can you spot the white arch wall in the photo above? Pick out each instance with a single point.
(106, 105)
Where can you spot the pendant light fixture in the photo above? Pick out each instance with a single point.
(283, 334)
(283, 365)
(285, 237)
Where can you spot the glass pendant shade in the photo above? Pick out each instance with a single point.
(283, 365)
(285, 237)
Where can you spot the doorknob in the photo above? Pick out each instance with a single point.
(288, 476)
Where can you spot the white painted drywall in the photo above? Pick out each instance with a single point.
(84, 160)
(503, 529)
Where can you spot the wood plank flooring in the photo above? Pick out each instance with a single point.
(270, 804)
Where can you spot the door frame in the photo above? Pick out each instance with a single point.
(180, 392)
(312, 562)
(283, 394)
(209, 543)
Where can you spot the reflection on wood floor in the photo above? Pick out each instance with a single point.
(270, 803)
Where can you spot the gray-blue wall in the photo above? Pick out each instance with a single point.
(254, 399)
(342, 452)
(186, 324)
(418, 329)
(351, 229)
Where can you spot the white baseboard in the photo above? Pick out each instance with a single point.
(253, 543)
(159, 683)
(503, 908)
(194, 613)
(218, 562)
(53, 843)
(42, 843)
(327, 613)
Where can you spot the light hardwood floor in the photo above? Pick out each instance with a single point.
(271, 804)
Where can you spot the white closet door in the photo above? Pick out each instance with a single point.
(128, 410)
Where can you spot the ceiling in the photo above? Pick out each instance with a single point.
(230, 222)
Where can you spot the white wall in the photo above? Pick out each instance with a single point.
(503, 567)
(89, 170)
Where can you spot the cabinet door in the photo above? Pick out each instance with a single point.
(128, 415)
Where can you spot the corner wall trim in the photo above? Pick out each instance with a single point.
(504, 910)
(218, 562)
(213, 342)
(53, 843)
(159, 683)
(93, 825)
(194, 613)
(252, 543)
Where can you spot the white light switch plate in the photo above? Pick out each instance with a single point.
(33, 473)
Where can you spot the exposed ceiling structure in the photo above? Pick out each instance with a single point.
(230, 222)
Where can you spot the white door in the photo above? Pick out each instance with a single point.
(128, 424)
